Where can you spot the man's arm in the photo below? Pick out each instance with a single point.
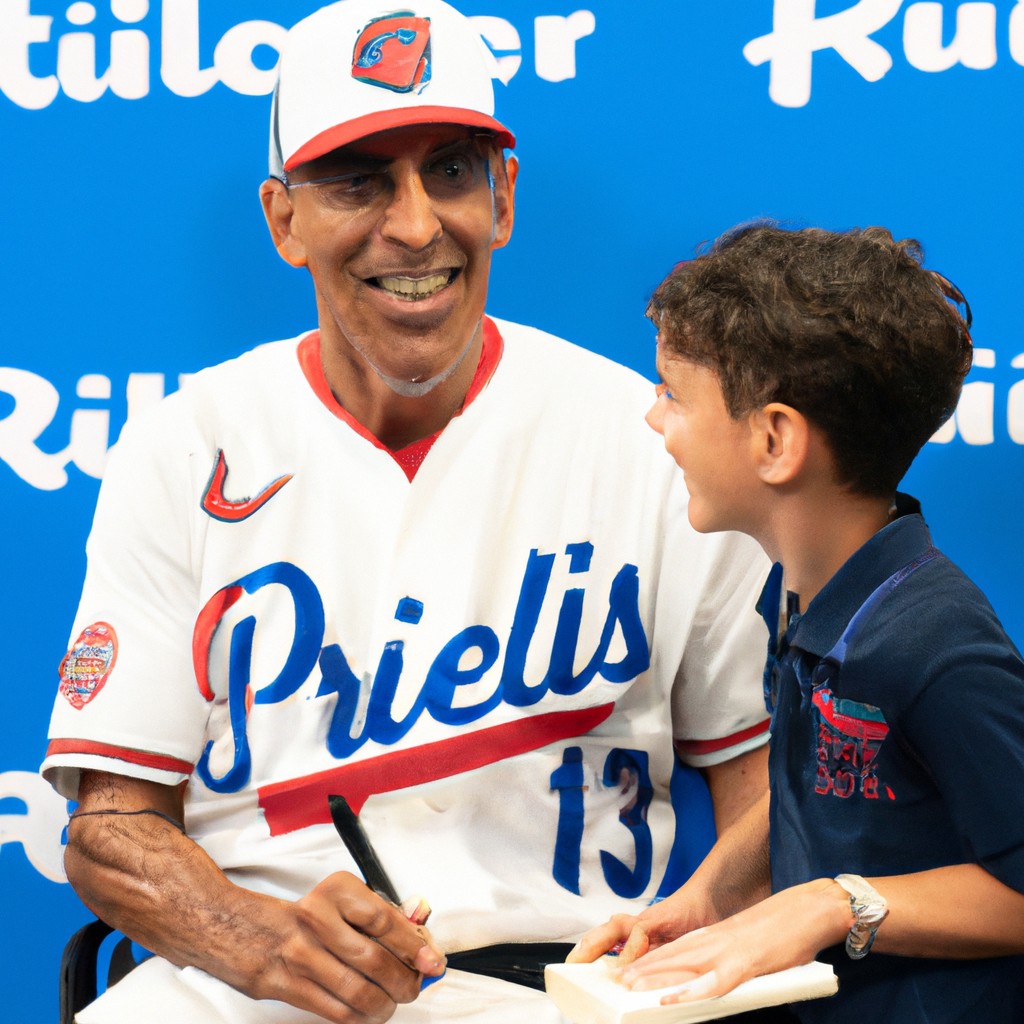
(736, 785)
(734, 875)
(341, 951)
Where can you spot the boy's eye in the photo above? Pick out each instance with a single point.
(662, 389)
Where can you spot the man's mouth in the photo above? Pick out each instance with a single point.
(414, 289)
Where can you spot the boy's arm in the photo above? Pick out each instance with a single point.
(957, 912)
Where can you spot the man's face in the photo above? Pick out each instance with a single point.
(400, 247)
(713, 449)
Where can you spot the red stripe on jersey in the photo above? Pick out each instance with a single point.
(411, 457)
(202, 635)
(299, 803)
(141, 757)
(711, 746)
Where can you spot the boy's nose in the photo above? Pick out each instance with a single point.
(656, 415)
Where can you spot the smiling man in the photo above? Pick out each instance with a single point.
(418, 557)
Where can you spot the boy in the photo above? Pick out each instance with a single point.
(802, 372)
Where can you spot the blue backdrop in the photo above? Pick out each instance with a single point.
(136, 251)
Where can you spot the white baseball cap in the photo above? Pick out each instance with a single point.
(362, 66)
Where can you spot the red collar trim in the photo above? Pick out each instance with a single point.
(411, 457)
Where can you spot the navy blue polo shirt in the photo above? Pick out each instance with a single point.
(908, 757)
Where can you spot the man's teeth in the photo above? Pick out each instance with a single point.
(420, 288)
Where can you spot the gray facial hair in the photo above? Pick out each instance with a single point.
(417, 389)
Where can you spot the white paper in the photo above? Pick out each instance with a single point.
(587, 995)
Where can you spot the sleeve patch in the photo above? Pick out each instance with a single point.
(87, 666)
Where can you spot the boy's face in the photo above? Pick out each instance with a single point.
(713, 449)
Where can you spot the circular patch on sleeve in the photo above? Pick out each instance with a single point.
(87, 666)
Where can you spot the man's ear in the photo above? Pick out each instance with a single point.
(280, 215)
(505, 201)
(781, 442)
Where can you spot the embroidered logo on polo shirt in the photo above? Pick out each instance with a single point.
(393, 52)
(87, 666)
(849, 736)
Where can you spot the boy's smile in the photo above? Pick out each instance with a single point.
(711, 447)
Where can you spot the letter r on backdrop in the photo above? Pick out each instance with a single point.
(797, 33)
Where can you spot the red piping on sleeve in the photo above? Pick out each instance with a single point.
(712, 746)
(140, 757)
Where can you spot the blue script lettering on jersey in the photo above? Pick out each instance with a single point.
(309, 634)
(437, 694)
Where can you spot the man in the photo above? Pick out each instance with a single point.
(419, 558)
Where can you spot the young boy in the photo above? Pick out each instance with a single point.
(802, 372)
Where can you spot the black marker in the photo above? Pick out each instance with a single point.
(358, 844)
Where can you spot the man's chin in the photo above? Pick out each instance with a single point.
(417, 352)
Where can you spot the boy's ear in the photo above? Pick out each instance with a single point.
(781, 442)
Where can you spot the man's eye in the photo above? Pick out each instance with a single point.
(453, 169)
(349, 182)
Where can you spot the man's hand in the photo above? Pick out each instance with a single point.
(679, 913)
(341, 951)
(734, 875)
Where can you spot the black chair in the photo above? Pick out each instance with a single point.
(79, 967)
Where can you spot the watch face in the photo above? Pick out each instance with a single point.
(869, 908)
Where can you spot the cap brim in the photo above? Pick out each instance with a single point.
(382, 121)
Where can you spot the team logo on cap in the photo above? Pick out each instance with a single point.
(394, 52)
(87, 666)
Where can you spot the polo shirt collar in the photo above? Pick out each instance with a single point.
(888, 551)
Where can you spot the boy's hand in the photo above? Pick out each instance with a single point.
(783, 931)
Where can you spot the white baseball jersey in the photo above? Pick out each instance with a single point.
(490, 660)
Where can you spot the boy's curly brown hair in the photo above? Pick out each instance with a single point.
(846, 327)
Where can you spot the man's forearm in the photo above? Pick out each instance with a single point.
(340, 951)
(736, 785)
(736, 872)
(141, 875)
(734, 875)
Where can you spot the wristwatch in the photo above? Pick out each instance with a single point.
(870, 910)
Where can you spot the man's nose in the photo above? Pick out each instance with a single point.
(410, 218)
